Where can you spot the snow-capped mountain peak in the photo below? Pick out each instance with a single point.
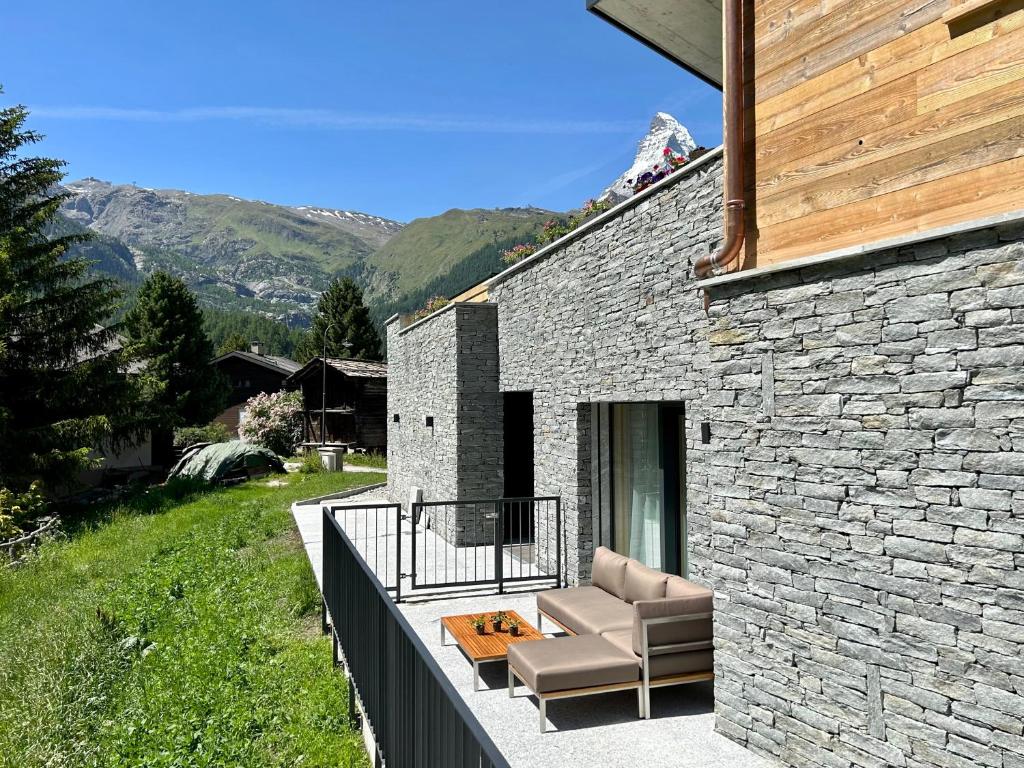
(665, 131)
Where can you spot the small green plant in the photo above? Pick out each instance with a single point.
(19, 508)
(498, 619)
(214, 432)
(513, 627)
(311, 463)
(479, 624)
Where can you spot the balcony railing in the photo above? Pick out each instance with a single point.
(415, 714)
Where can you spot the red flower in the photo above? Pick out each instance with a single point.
(666, 152)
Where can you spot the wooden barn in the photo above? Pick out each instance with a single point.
(356, 403)
(250, 373)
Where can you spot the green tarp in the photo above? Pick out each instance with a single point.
(230, 459)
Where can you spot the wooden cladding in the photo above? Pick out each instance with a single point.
(870, 119)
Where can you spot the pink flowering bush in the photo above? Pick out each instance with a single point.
(518, 252)
(433, 304)
(273, 421)
(671, 162)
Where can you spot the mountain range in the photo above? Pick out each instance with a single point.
(275, 260)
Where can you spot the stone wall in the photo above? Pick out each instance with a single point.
(867, 496)
(613, 317)
(446, 367)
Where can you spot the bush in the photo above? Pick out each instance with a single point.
(185, 437)
(18, 508)
(311, 463)
(433, 305)
(273, 421)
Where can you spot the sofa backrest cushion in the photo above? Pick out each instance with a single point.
(609, 572)
(643, 583)
(677, 586)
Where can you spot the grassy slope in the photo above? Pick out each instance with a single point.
(277, 232)
(238, 674)
(428, 248)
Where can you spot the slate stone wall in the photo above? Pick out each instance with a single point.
(613, 317)
(868, 507)
(446, 367)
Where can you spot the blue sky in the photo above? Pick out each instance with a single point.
(393, 107)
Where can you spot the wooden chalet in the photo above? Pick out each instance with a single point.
(356, 403)
(250, 373)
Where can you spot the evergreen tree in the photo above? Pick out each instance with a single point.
(342, 313)
(166, 334)
(63, 386)
(233, 342)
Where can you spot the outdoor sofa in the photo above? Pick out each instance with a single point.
(633, 627)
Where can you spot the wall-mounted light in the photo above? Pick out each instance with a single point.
(428, 421)
(396, 418)
(705, 432)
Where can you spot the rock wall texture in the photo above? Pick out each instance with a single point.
(859, 510)
(867, 499)
(613, 317)
(446, 367)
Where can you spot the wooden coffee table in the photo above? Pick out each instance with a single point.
(492, 646)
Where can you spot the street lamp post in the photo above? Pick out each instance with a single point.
(323, 385)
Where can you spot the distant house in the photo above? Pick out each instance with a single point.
(356, 403)
(249, 374)
(119, 461)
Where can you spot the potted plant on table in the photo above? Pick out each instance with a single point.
(513, 627)
(479, 624)
(498, 619)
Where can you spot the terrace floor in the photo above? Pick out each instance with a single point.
(601, 729)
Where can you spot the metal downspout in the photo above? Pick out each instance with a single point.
(735, 203)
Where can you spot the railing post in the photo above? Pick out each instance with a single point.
(324, 626)
(398, 552)
(499, 550)
(412, 521)
(558, 542)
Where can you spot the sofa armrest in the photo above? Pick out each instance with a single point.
(673, 624)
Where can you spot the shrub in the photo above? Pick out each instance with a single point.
(553, 230)
(186, 437)
(311, 463)
(18, 508)
(432, 305)
(518, 253)
(273, 421)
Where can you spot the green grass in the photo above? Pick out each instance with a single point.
(376, 460)
(178, 629)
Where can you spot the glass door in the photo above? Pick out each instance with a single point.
(647, 442)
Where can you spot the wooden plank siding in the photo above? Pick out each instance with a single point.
(870, 119)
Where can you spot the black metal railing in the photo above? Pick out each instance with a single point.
(487, 541)
(375, 531)
(416, 716)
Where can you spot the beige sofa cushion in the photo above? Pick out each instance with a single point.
(643, 583)
(586, 610)
(670, 663)
(563, 663)
(609, 572)
(683, 631)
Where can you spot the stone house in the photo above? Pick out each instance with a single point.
(828, 432)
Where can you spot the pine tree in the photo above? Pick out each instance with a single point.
(233, 342)
(63, 385)
(166, 334)
(342, 313)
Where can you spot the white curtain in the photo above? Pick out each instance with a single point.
(637, 477)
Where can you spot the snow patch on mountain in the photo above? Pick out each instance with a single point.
(665, 131)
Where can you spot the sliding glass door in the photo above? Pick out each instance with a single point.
(648, 494)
